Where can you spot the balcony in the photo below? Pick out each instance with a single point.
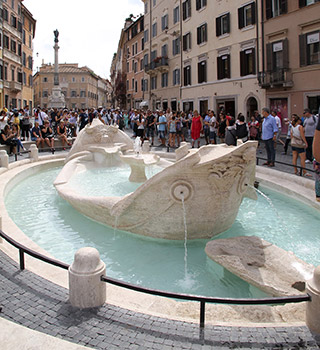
(158, 64)
(15, 87)
(278, 78)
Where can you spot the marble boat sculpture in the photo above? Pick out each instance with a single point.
(212, 181)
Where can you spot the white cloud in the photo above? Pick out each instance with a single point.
(89, 30)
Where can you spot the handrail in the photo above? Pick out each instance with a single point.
(191, 297)
(24, 250)
(288, 164)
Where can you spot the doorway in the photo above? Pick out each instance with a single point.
(252, 105)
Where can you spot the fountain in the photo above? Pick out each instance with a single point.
(213, 174)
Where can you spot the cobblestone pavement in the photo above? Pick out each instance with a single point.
(36, 303)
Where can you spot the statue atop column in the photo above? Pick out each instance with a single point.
(56, 35)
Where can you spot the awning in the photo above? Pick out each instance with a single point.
(144, 103)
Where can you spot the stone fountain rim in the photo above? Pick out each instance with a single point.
(132, 300)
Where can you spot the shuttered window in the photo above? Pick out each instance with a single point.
(277, 56)
(186, 42)
(224, 67)
(223, 24)
(309, 47)
(202, 34)
(186, 9)
(202, 72)
(276, 8)
(247, 15)
(247, 62)
(200, 4)
(187, 75)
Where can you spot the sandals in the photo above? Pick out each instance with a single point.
(307, 175)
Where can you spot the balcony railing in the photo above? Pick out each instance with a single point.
(278, 78)
(159, 63)
(15, 87)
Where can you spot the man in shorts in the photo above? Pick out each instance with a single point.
(162, 129)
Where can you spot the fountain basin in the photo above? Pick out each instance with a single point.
(213, 176)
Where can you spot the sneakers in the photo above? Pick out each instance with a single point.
(271, 165)
(308, 161)
(266, 163)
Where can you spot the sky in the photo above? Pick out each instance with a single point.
(89, 31)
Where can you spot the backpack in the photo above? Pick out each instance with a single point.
(241, 131)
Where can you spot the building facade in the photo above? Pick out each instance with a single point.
(81, 87)
(133, 51)
(28, 32)
(290, 71)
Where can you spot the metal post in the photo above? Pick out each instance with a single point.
(21, 259)
(202, 313)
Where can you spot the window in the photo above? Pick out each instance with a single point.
(187, 75)
(12, 74)
(146, 7)
(176, 77)
(202, 72)
(154, 2)
(5, 41)
(164, 79)
(13, 21)
(276, 8)
(303, 3)
(135, 67)
(24, 37)
(164, 50)
(309, 48)
(20, 50)
(136, 86)
(45, 79)
(82, 93)
(132, 84)
(141, 64)
(145, 59)
(154, 29)
(127, 85)
(19, 26)
(20, 77)
(153, 83)
(146, 35)
(277, 56)
(73, 93)
(247, 62)
(247, 15)
(142, 44)
(24, 59)
(30, 41)
(30, 81)
(176, 46)
(83, 79)
(186, 42)
(224, 67)
(200, 4)
(186, 9)
(30, 62)
(223, 24)
(202, 35)
(176, 14)
(145, 85)
(164, 22)
(13, 46)
(45, 93)
(5, 14)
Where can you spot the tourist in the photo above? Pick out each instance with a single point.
(316, 162)
(73, 123)
(212, 128)
(298, 144)
(36, 135)
(279, 125)
(47, 135)
(253, 128)
(242, 128)
(150, 126)
(184, 130)
(62, 134)
(196, 128)
(269, 136)
(16, 133)
(7, 138)
(206, 127)
(178, 128)
(288, 136)
(3, 119)
(222, 124)
(231, 132)
(140, 127)
(309, 124)
(83, 119)
(25, 126)
(172, 130)
(162, 128)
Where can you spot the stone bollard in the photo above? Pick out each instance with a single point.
(313, 307)
(34, 153)
(85, 287)
(4, 159)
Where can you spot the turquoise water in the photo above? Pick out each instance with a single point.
(57, 227)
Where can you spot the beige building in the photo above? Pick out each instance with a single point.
(219, 56)
(290, 73)
(1, 64)
(28, 32)
(133, 50)
(162, 53)
(81, 87)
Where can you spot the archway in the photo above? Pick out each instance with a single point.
(252, 105)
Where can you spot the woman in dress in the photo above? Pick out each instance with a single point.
(62, 134)
(196, 128)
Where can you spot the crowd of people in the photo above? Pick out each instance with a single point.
(170, 128)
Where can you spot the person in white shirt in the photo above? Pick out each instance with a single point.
(278, 121)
